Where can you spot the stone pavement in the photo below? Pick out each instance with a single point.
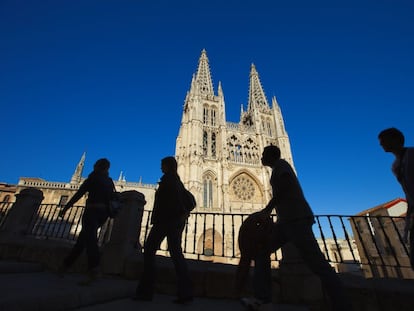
(26, 286)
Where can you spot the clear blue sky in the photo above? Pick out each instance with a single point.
(110, 78)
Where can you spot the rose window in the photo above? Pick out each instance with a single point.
(243, 188)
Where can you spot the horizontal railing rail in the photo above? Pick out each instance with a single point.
(372, 245)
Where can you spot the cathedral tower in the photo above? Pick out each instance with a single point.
(77, 175)
(220, 161)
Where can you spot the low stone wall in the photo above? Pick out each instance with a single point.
(121, 257)
(216, 280)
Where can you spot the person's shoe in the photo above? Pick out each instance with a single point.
(253, 304)
(183, 301)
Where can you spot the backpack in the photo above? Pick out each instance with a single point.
(189, 201)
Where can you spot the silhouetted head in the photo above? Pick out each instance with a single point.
(169, 165)
(102, 165)
(270, 155)
(391, 139)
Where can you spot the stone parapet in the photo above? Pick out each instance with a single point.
(125, 233)
(21, 213)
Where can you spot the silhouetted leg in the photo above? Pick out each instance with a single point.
(93, 221)
(262, 278)
(92, 249)
(301, 235)
(145, 288)
(184, 284)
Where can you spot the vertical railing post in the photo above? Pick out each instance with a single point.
(125, 233)
(20, 215)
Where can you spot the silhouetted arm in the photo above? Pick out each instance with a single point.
(81, 191)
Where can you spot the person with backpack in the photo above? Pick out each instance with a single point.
(168, 218)
(100, 189)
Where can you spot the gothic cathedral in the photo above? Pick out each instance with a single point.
(220, 161)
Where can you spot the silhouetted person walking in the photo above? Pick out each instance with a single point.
(99, 187)
(392, 140)
(168, 220)
(294, 224)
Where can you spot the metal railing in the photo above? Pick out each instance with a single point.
(4, 211)
(372, 245)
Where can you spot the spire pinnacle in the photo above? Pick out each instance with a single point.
(203, 76)
(77, 175)
(257, 97)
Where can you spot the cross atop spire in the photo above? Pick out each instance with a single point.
(203, 76)
(257, 97)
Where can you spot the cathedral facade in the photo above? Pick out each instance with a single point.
(220, 161)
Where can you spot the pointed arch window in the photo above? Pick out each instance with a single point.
(238, 153)
(205, 115)
(213, 117)
(208, 192)
(205, 143)
(213, 145)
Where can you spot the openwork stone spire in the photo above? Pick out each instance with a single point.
(77, 175)
(257, 97)
(203, 76)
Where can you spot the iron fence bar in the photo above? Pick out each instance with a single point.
(214, 233)
(47, 219)
(4, 211)
(73, 211)
(346, 235)
(185, 233)
(204, 233)
(358, 231)
(374, 240)
(223, 248)
(56, 228)
(389, 243)
(147, 225)
(233, 253)
(323, 237)
(335, 238)
(195, 232)
(400, 238)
